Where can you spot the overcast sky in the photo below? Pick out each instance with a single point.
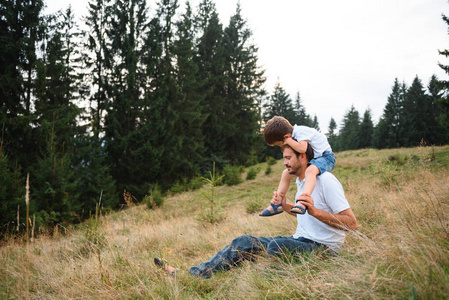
(337, 53)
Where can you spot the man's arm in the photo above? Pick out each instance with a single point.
(344, 220)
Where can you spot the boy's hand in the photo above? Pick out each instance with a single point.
(286, 137)
(300, 146)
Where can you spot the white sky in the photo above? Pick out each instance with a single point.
(337, 53)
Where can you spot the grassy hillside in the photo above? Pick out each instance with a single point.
(400, 198)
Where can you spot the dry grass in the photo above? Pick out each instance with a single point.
(399, 196)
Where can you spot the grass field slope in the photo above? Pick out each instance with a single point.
(399, 196)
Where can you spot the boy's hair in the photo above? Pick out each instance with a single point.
(275, 130)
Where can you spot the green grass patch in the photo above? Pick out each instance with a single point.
(400, 251)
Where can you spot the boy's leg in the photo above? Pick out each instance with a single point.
(283, 186)
(311, 173)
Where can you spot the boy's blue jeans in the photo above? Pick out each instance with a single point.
(245, 247)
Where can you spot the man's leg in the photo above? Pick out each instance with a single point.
(279, 244)
(242, 248)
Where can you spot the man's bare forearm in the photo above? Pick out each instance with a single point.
(345, 220)
(287, 207)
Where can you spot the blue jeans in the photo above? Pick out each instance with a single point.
(245, 247)
(324, 163)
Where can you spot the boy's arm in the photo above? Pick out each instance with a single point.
(300, 146)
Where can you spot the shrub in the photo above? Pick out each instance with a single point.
(271, 161)
(252, 173)
(211, 214)
(397, 159)
(253, 160)
(196, 183)
(232, 175)
(268, 170)
(178, 188)
(254, 205)
(155, 198)
(92, 240)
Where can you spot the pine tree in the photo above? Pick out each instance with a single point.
(443, 103)
(124, 139)
(94, 183)
(301, 116)
(315, 123)
(151, 117)
(279, 104)
(21, 30)
(332, 134)
(191, 111)
(92, 170)
(54, 185)
(381, 131)
(11, 190)
(56, 83)
(391, 116)
(211, 61)
(415, 115)
(167, 99)
(53, 180)
(366, 130)
(243, 87)
(350, 128)
(439, 134)
(96, 59)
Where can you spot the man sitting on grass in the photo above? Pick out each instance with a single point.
(321, 227)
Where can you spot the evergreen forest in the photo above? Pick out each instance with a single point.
(138, 98)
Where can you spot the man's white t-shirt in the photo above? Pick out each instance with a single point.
(329, 196)
(316, 140)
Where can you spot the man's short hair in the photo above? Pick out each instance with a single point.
(309, 152)
(275, 129)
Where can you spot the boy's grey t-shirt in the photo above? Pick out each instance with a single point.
(317, 140)
(329, 196)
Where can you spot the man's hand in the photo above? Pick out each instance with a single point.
(307, 201)
(277, 198)
(344, 220)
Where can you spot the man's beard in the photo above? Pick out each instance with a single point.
(294, 171)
